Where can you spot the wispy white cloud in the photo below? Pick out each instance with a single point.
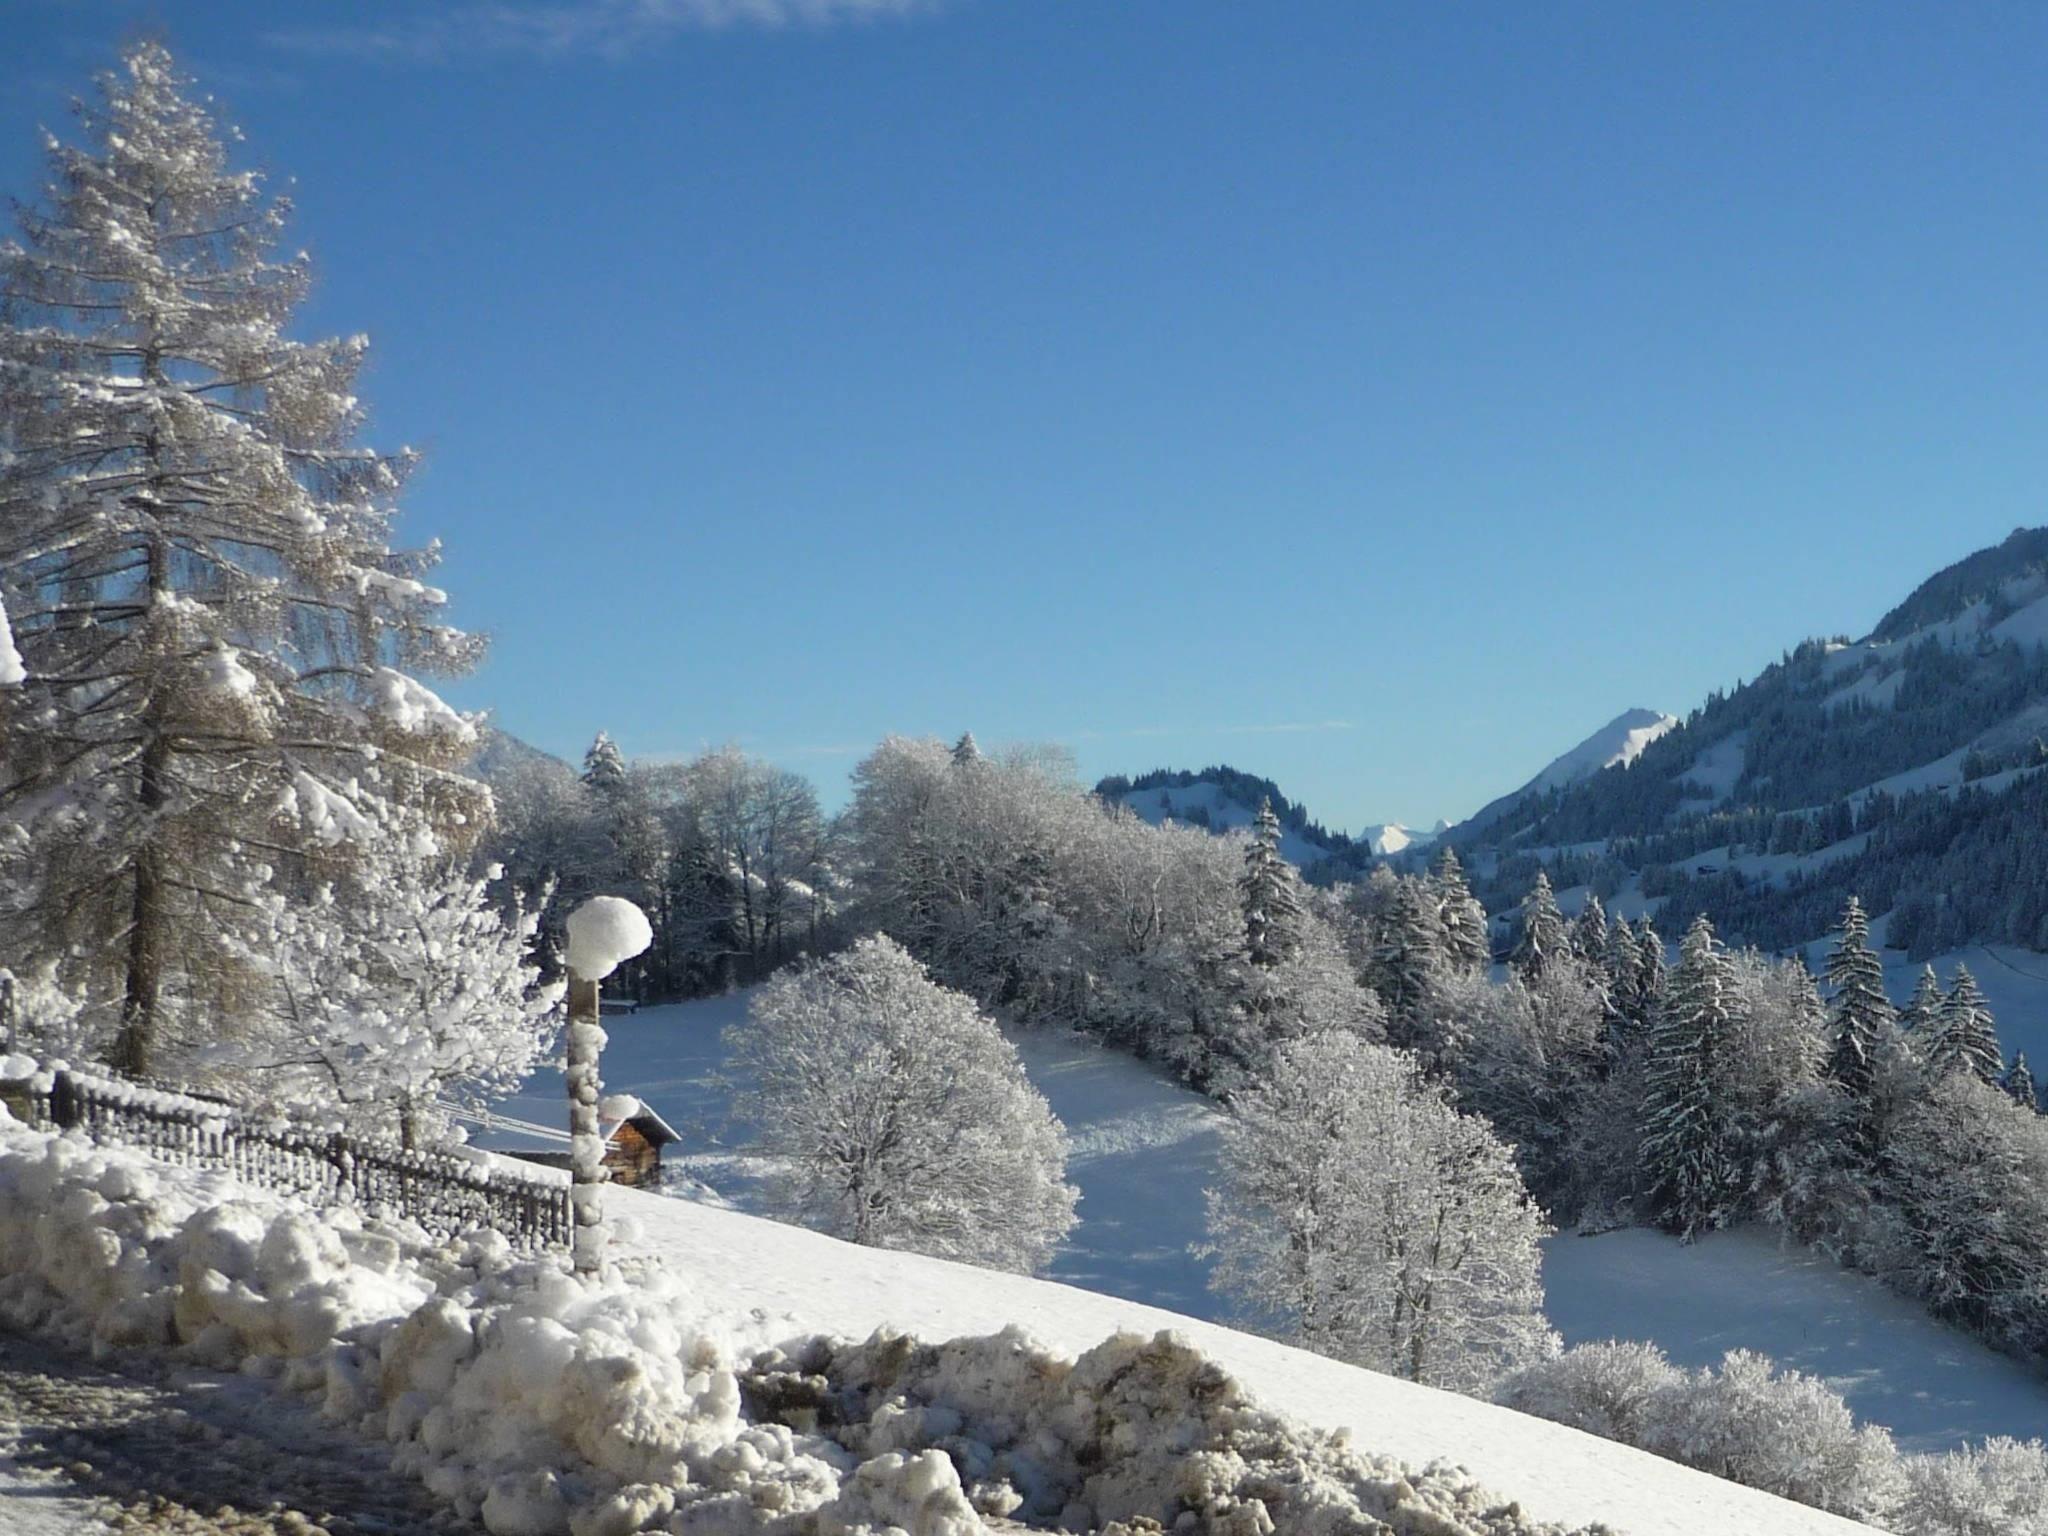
(604, 28)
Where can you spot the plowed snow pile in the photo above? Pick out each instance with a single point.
(550, 1405)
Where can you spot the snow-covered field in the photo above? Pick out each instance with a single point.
(1930, 1385)
(551, 1404)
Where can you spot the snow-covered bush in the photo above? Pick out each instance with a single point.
(1370, 1221)
(1997, 1489)
(1611, 1389)
(900, 1115)
(1780, 1430)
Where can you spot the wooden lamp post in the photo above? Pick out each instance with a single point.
(604, 931)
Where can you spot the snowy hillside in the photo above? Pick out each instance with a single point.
(1905, 767)
(1206, 803)
(1620, 741)
(790, 1280)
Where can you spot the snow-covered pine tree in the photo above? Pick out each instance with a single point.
(1859, 1012)
(604, 766)
(1269, 895)
(1543, 939)
(966, 750)
(1626, 981)
(1406, 961)
(1589, 933)
(1966, 1038)
(1921, 1017)
(1652, 973)
(1466, 944)
(1685, 1162)
(2019, 1083)
(219, 639)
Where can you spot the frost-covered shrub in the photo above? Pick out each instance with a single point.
(901, 1116)
(1748, 1421)
(1611, 1389)
(1998, 1489)
(1782, 1431)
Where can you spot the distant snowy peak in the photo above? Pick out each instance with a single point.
(1392, 837)
(1620, 741)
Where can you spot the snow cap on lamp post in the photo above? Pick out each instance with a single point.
(604, 933)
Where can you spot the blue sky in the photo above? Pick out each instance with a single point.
(1376, 397)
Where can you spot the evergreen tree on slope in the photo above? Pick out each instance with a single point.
(1406, 960)
(1966, 1038)
(604, 766)
(1543, 939)
(219, 639)
(1684, 1153)
(2019, 1083)
(1466, 945)
(1269, 895)
(1921, 1017)
(1860, 1013)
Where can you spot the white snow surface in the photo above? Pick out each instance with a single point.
(604, 933)
(1619, 742)
(12, 672)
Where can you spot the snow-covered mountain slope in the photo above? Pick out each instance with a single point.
(1927, 739)
(1220, 809)
(1144, 1150)
(1617, 743)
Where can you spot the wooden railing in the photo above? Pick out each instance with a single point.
(443, 1192)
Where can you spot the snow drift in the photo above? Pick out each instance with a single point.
(547, 1405)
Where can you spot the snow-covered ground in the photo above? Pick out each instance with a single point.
(547, 1403)
(769, 1271)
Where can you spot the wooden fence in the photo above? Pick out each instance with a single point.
(443, 1192)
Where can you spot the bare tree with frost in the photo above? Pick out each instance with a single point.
(900, 1115)
(1372, 1222)
(219, 640)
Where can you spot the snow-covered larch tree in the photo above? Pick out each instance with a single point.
(901, 1116)
(1368, 1220)
(219, 642)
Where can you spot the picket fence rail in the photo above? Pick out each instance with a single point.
(443, 1192)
